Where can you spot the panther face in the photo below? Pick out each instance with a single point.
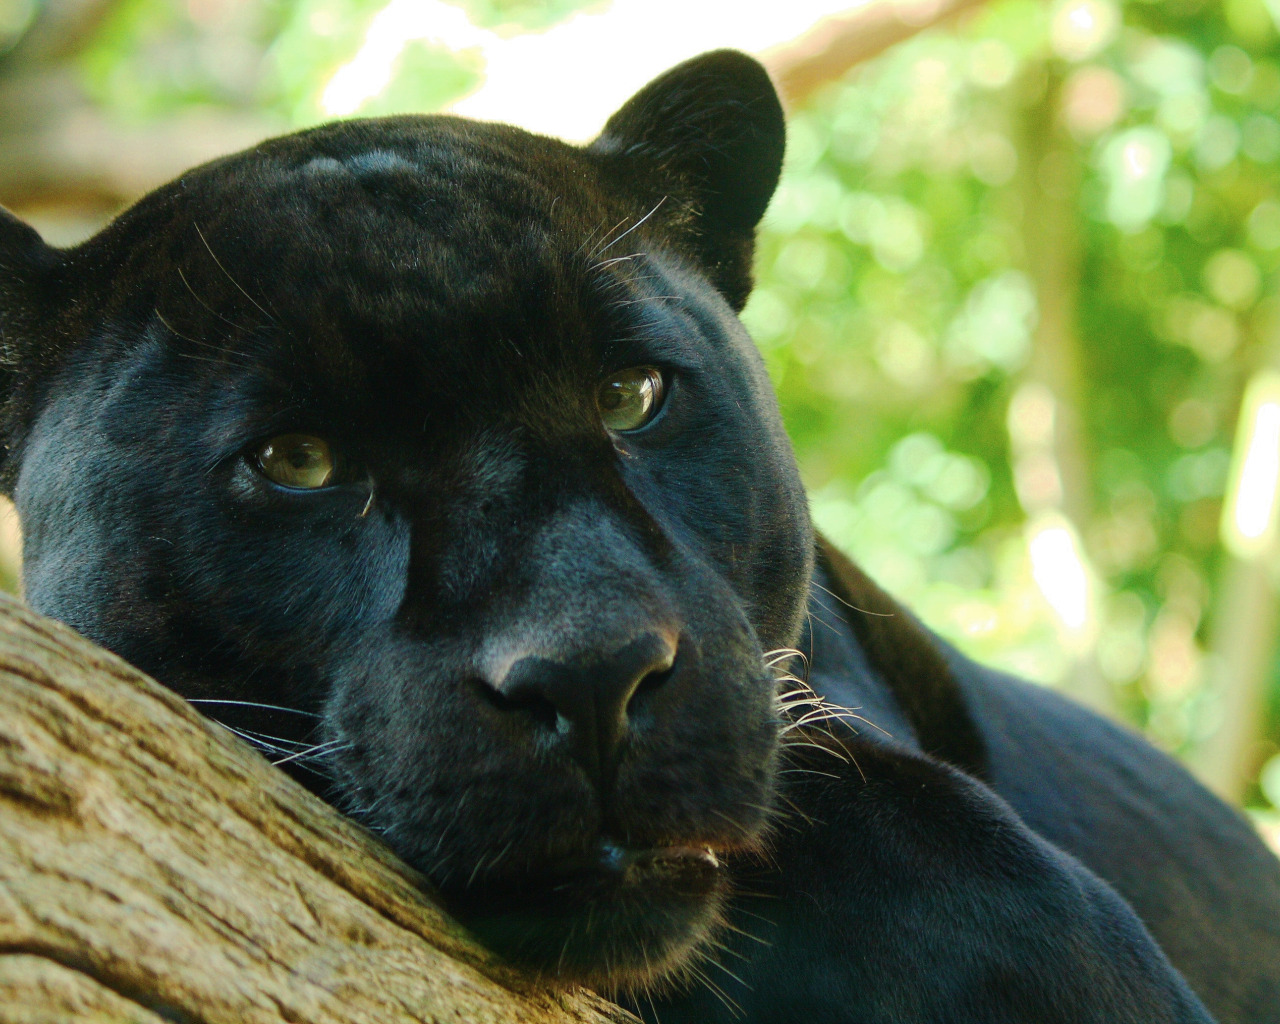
(440, 445)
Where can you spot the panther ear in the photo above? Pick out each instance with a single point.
(25, 262)
(20, 243)
(708, 134)
(26, 265)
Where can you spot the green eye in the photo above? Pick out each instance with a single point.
(297, 460)
(630, 398)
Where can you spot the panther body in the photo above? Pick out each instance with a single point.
(440, 445)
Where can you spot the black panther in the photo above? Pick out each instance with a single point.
(432, 457)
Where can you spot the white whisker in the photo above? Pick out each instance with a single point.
(252, 704)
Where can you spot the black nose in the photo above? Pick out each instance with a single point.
(588, 701)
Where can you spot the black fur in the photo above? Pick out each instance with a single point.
(538, 653)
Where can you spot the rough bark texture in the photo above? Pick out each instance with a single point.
(154, 868)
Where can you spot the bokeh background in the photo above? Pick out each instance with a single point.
(1019, 290)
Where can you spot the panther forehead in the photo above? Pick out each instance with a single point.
(375, 161)
(412, 228)
(388, 202)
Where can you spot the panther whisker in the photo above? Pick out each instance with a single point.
(837, 714)
(755, 895)
(286, 745)
(222, 356)
(728, 926)
(794, 711)
(798, 698)
(252, 704)
(480, 862)
(230, 323)
(764, 808)
(751, 913)
(632, 284)
(645, 298)
(270, 319)
(818, 710)
(811, 618)
(779, 819)
(743, 832)
(802, 722)
(784, 654)
(808, 771)
(501, 855)
(790, 744)
(853, 607)
(255, 741)
(732, 952)
(624, 234)
(616, 259)
(728, 1001)
(271, 746)
(200, 359)
(587, 241)
(607, 235)
(564, 947)
(801, 698)
(648, 993)
(178, 334)
(316, 751)
(843, 753)
(822, 709)
(458, 811)
(440, 871)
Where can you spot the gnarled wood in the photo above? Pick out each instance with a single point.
(154, 868)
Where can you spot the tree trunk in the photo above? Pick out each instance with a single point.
(154, 868)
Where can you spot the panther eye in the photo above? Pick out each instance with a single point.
(300, 461)
(630, 398)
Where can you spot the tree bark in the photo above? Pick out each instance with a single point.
(154, 868)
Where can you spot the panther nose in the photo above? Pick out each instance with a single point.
(589, 701)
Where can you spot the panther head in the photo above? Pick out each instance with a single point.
(435, 449)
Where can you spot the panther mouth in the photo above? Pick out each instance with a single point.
(613, 869)
(642, 865)
(618, 918)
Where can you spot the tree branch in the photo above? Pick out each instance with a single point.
(154, 868)
(838, 43)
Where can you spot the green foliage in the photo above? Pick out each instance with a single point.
(15, 18)
(149, 57)
(524, 15)
(313, 39)
(152, 57)
(902, 291)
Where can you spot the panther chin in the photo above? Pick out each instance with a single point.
(619, 920)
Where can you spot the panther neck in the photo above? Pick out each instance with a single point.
(868, 654)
